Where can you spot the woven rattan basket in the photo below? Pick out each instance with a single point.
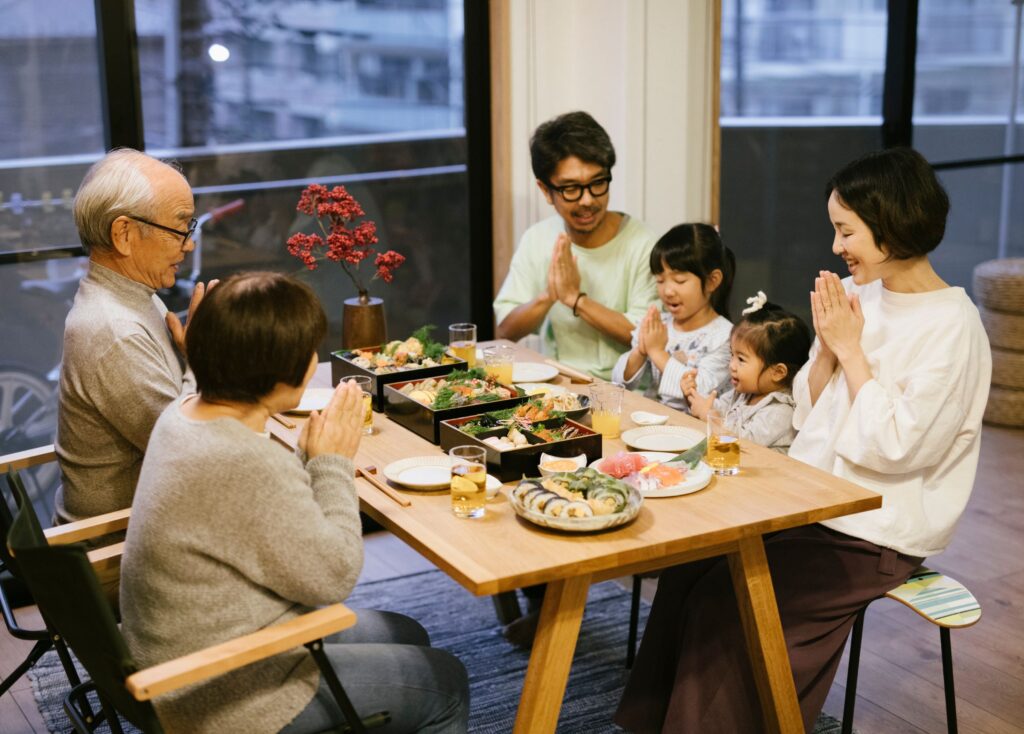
(999, 285)
(1007, 368)
(1005, 407)
(1005, 330)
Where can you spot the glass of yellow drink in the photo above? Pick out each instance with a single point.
(606, 408)
(365, 384)
(469, 480)
(723, 452)
(462, 342)
(498, 363)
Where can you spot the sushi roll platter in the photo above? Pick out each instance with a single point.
(581, 501)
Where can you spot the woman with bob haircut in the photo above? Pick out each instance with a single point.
(231, 533)
(892, 399)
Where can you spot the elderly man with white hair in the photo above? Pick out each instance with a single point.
(135, 217)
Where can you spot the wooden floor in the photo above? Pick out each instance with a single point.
(900, 686)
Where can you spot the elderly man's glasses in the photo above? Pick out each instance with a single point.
(574, 192)
(192, 224)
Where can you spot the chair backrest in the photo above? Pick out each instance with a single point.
(69, 596)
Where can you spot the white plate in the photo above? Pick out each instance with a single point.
(315, 398)
(662, 438)
(533, 372)
(696, 479)
(541, 388)
(429, 472)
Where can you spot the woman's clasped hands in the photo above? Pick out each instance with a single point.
(339, 428)
(838, 319)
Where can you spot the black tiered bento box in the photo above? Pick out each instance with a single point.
(342, 367)
(513, 464)
(424, 420)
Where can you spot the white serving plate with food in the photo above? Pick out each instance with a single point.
(662, 438)
(533, 372)
(697, 478)
(314, 398)
(590, 524)
(429, 473)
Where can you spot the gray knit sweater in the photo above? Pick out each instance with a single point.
(229, 534)
(119, 371)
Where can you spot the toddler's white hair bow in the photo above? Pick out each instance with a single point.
(755, 303)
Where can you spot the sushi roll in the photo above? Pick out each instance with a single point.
(520, 491)
(537, 501)
(577, 508)
(556, 507)
(529, 497)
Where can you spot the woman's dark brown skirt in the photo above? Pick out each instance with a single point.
(692, 672)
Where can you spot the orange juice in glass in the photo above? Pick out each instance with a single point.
(498, 363)
(365, 384)
(462, 343)
(606, 408)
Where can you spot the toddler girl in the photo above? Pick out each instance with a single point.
(769, 345)
(694, 273)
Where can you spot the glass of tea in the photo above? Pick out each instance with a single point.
(606, 408)
(462, 342)
(723, 452)
(365, 384)
(469, 480)
(498, 362)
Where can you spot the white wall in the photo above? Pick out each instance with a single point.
(643, 69)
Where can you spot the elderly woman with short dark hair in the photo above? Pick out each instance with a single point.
(231, 533)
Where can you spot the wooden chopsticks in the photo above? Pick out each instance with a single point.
(282, 420)
(372, 479)
(569, 372)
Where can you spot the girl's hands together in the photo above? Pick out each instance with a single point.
(641, 329)
(838, 319)
(339, 428)
(655, 333)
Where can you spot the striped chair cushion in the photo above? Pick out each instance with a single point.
(938, 598)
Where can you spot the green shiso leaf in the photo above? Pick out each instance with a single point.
(692, 455)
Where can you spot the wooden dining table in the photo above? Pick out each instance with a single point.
(501, 552)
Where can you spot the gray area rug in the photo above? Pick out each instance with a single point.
(466, 626)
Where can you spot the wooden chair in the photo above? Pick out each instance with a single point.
(68, 592)
(941, 600)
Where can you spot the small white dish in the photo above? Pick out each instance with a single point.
(579, 461)
(492, 487)
(533, 372)
(643, 418)
(314, 398)
(662, 438)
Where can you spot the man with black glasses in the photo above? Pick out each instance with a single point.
(582, 277)
(135, 217)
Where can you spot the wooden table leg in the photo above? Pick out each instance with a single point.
(551, 657)
(760, 615)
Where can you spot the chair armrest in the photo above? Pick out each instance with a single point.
(239, 652)
(91, 527)
(26, 459)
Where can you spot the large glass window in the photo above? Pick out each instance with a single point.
(50, 121)
(963, 95)
(801, 95)
(255, 99)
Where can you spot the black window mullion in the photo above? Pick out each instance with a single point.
(900, 68)
(477, 70)
(120, 89)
